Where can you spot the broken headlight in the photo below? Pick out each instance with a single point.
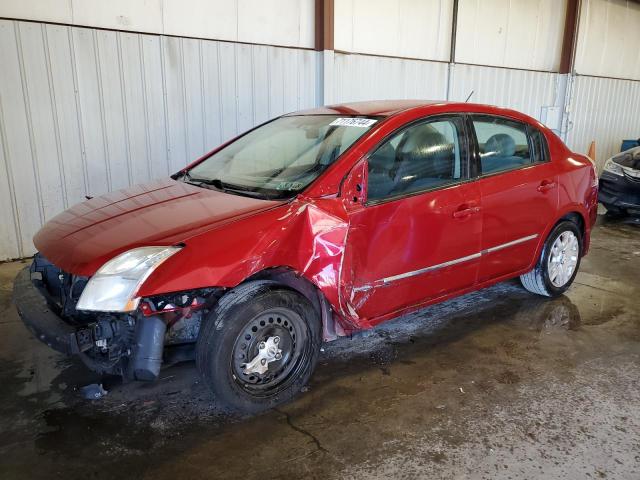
(113, 287)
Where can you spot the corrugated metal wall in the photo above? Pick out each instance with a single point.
(526, 91)
(85, 111)
(515, 34)
(366, 77)
(402, 28)
(287, 23)
(604, 110)
(608, 39)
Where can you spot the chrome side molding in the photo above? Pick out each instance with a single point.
(400, 276)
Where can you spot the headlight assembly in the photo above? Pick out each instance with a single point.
(115, 284)
(612, 167)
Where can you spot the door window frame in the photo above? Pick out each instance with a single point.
(476, 161)
(464, 140)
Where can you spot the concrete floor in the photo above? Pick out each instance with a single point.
(495, 384)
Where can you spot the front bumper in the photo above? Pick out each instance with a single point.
(39, 318)
(619, 191)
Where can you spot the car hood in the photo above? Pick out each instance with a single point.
(163, 212)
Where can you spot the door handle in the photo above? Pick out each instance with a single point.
(546, 185)
(464, 211)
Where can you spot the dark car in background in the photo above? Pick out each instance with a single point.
(620, 183)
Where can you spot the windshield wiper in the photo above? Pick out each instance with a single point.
(216, 182)
(220, 185)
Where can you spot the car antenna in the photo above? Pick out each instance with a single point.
(469, 96)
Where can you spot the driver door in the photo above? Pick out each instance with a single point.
(418, 235)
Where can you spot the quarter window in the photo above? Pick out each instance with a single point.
(422, 157)
(539, 144)
(504, 144)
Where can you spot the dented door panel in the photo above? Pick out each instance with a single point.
(407, 251)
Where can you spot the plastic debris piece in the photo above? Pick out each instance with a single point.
(93, 391)
(461, 390)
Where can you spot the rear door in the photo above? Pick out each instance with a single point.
(519, 192)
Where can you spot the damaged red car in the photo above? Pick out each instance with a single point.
(311, 226)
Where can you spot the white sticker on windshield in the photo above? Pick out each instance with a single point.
(352, 122)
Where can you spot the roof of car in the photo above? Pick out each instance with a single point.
(383, 108)
(387, 108)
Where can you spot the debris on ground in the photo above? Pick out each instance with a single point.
(93, 391)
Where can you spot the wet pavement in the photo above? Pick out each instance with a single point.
(495, 384)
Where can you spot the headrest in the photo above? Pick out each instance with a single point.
(425, 144)
(501, 145)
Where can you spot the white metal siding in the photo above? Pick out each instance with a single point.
(402, 28)
(86, 111)
(366, 77)
(604, 110)
(273, 22)
(526, 91)
(609, 39)
(507, 33)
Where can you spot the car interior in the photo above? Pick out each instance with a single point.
(500, 152)
(419, 159)
(425, 156)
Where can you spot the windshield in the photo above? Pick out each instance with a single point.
(280, 158)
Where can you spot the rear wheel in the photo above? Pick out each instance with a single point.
(259, 347)
(558, 263)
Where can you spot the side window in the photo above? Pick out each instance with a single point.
(504, 144)
(539, 144)
(421, 157)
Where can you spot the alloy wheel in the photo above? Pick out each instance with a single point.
(563, 258)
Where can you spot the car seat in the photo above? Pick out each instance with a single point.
(500, 154)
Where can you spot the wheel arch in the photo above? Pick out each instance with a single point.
(575, 217)
(289, 278)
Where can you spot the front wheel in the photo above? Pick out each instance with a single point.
(558, 263)
(259, 346)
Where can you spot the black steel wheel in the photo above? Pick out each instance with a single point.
(259, 346)
(281, 328)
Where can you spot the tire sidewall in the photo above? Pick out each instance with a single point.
(564, 226)
(216, 342)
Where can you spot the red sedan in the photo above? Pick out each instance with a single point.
(310, 226)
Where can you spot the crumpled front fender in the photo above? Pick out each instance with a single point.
(306, 235)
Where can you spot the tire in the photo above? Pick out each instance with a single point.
(246, 323)
(541, 280)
